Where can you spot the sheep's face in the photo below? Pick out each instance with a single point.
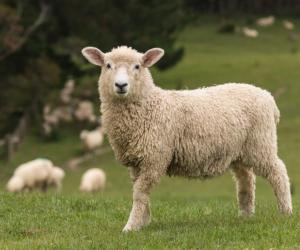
(124, 71)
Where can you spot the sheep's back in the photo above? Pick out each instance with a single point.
(213, 125)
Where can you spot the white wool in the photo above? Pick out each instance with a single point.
(15, 184)
(288, 25)
(33, 174)
(56, 177)
(65, 94)
(93, 180)
(198, 133)
(85, 112)
(265, 21)
(252, 33)
(92, 139)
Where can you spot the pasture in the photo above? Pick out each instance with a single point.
(186, 214)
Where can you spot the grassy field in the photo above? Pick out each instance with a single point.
(187, 214)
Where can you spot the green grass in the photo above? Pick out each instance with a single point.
(187, 214)
(93, 222)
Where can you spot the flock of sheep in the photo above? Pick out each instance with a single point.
(69, 109)
(40, 174)
(265, 22)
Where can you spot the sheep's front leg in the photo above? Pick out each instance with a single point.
(140, 213)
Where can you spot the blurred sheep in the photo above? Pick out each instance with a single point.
(52, 118)
(288, 25)
(65, 94)
(93, 180)
(252, 33)
(36, 174)
(56, 177)
(265, 21)
(85, 112)
(92, 139)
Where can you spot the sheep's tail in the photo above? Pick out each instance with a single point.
(276, 113)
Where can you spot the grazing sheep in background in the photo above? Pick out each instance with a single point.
(288, 25)
(93, 180)
(56, 177)
(30, 175)
(92, 139)
(85, 112)
(65, 94)
(15, 184)
(265, 21)
(36, 174)
(197, 133)
(54, 117)
(250, 32)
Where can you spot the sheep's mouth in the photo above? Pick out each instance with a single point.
(121, 92)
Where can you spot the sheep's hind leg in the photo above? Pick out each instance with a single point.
(245, 186)
(277, 176)
(140, 214)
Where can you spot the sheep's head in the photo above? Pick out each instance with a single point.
(83, 134)
(124, 71)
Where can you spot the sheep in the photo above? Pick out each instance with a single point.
(265, 21)
(56, 177)
(93, 180)
(54, 117)
(250, 32)
(30, 175)
(198, 133)
(92, 139)
(288, 25)
(15, 184)
(85, 111)
(36, 174)
(66, 92)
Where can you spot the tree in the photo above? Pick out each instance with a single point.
(40, 43)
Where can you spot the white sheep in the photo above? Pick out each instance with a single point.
(198, 133)
(36, 174)
(56, 177)
(15, 184)
(265, 21)
(288, 25)
(85, 112)
(93, 180)
(30, 175)
(92, 139)
(252, 33)
(66, 92)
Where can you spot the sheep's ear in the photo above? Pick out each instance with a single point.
(93, 55)
(152, 56)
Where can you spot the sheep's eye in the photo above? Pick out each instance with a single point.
(108, 66)
(137, 66)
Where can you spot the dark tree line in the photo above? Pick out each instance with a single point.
(41, 40)
(241, 7)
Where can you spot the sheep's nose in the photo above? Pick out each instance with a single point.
(121, 85)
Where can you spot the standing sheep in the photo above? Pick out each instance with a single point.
(92, 139)
(85, 112)
(252, 33)
(265, 21)
(197, 133)
(93, 180)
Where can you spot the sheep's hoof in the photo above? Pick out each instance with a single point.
(129, 228)
(132, 227)
(246, 214)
